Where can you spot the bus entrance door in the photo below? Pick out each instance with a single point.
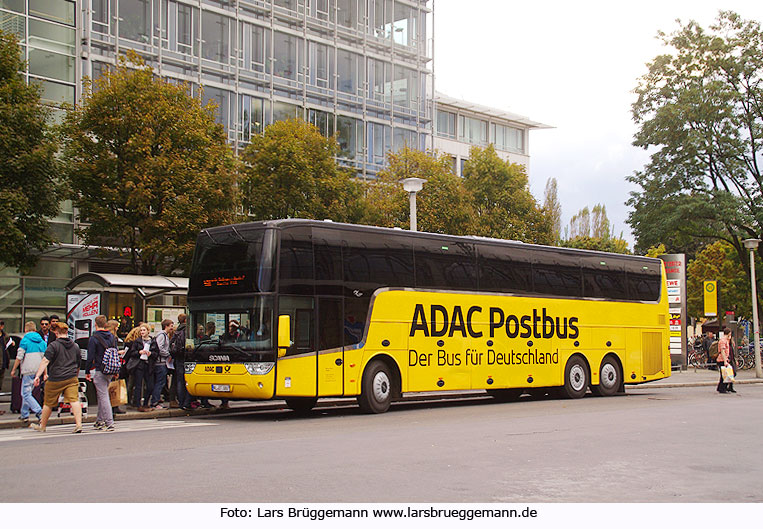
(330, 351)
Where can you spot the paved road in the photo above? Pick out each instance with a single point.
(652, 445)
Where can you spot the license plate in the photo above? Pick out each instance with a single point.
(221, 388)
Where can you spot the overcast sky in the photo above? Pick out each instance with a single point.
(571, 65)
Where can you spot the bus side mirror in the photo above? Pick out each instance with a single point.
(284, 334)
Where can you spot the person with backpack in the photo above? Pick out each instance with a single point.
(161, 346)
(177, 350)
(101, 349)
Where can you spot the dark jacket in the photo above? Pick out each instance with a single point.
(64, 356)
(177, 346)
(51, 337)
(6, 360)
(96, 346)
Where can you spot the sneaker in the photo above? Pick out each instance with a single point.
(109, 428)
(732, 390)
(78, 430)
(37, 427)
(160, 407)
(99, 425)
(24, 419)
(38, 415)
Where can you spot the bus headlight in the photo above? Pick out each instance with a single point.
(259, 368)
(189, 367)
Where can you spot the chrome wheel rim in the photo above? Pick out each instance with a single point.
(608, 376)
(577, 377)
(381, 386)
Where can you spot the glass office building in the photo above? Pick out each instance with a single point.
(357, 68)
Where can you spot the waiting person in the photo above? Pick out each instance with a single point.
(6, 359)
(28, 357)
(177, 349)
(101, 340)
(112, 326)
(61, 363)
(140, 346)
(162, 362)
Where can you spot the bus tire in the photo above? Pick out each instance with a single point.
(506, 395)
(376, 388)
(301, 404)
(610, 378)
(576, 378)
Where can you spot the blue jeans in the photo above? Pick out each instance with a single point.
(160, 380)
(28, 401)
(184, 398)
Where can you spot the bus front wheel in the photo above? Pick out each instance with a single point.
(301, 404)
(376, 388)
(575, 378)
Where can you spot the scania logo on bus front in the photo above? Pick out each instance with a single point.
(219, 358)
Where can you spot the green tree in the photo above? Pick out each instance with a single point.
(148, 167)
(443, 205)
(291, 172)
(553, 208)
(718, 262)
(29, 192)
(699, 109)
(504, 206)
(591, 230)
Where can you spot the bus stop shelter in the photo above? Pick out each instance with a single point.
(124, 297)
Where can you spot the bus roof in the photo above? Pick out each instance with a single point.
(287, 223)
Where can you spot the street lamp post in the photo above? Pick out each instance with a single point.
(752, 245)
(413, 186)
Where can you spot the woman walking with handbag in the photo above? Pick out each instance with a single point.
(724, 356)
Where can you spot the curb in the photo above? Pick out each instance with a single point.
(326, 403)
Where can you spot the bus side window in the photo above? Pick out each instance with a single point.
(445, 265)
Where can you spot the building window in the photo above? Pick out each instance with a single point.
(19, 6)
(56, 10)
(135, 20)
(403, 138)
(350, 13)
(286, 52)
(349, 136)
(215, 35)
(380, 13)
(379, 140)
(464, 161)
(321, 64)
(472, 130)
(404, 25)
(252, 117)
(222, 99)
(405, 88)
(52, 65)
(507, 138)
(350, 70)
(101, 16)
(284, 111)
(255, 43)
(323, 121)
(446, 124)
(379, 80)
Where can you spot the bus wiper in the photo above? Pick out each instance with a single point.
(209, 235)
(204, 342)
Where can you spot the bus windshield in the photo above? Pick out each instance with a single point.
(232, 261)
(240, 331)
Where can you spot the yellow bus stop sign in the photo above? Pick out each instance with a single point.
(710, 290)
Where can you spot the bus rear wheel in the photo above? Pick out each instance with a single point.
(505, 395)
(575, 378)
(610, 378)
(301, 404)
(376, 388)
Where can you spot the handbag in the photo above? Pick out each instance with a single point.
(132, 363)
(728, 374)
(117, 392)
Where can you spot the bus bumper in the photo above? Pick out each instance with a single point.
(230, 381)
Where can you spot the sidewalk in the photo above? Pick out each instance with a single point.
(689, 378)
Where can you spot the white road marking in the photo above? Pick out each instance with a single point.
(59, 430)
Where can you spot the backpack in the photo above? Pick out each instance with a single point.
(111, 360)
(177, 344)
(153, 348)
(713, 353)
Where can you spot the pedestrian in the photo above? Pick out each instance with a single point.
(732, 358)
(101, 340)
(60, 367)
(140, 347)
(177, 349)
(724, 345)
(5, 361)
(45, 331)
(28, 357)
(162, 362)
(112, 326)
(707, 341)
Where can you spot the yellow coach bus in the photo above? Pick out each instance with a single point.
(300, 309)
